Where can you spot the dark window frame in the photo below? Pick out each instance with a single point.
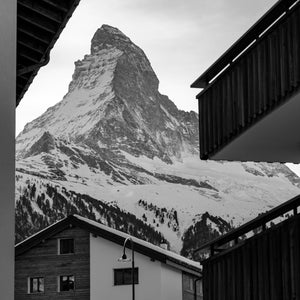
(190, 289)
(62, 284)
(64, 244)
(122, 276)
(39, 284)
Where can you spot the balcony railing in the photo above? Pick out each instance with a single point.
(265, 266)
(256, 75)
(238, 235)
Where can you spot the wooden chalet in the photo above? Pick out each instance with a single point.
(250, 102)
(264, 266)
(77, 258)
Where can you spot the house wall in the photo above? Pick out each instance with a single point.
(171, 283)
(156, 280)
(43, 260)
(7, 150)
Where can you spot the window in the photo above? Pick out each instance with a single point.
(66, 283)
(188, 286)
(123, 276)
(188, 282)
(66, 246)
(36, 285)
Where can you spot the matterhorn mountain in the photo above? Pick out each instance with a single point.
(117, 151)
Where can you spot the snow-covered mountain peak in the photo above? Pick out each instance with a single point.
(113, 101)
(116, 150)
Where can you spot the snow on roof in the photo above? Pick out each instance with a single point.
(124, 235)
(171, 256)
(39, 232)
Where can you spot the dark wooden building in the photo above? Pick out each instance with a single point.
(249, 111)
(265, 266)
(250, 103)
(77, 258)
(40, 269)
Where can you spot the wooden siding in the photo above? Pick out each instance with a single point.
(258, 81)
(43, 260)
(264, 267)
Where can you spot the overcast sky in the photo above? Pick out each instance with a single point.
(181, 38)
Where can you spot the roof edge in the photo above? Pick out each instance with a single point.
(267, 20)
(257, 222)
(110, 234)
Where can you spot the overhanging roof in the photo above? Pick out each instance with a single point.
(113, 235)
(39, 24)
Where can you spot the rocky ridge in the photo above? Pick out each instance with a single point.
(115, 139)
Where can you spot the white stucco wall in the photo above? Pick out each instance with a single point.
(156, 280)
(171, 283)
(8, 32)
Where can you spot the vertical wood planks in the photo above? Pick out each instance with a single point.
(263, 77)
(264, 267)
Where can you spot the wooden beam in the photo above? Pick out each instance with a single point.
(55, 4)
(38, 29)
(32, 54)
(28, 57)
(33, 67)
(40, 23)
(34, 35)
(32, 46)
(22, 79)
(37, 7)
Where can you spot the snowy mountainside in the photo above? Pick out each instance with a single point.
(117, 151)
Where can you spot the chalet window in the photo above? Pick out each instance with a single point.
(36, 285)
(66, 246)
(188, 286)
(66, 283)
(123, 276)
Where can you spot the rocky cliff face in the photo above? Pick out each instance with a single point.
(114, 103)
(115, 150)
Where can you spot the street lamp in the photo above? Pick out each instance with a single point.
(125, 259)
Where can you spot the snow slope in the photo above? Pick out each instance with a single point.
(115, 139)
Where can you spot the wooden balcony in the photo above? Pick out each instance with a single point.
(264, 266)
(256, 76)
